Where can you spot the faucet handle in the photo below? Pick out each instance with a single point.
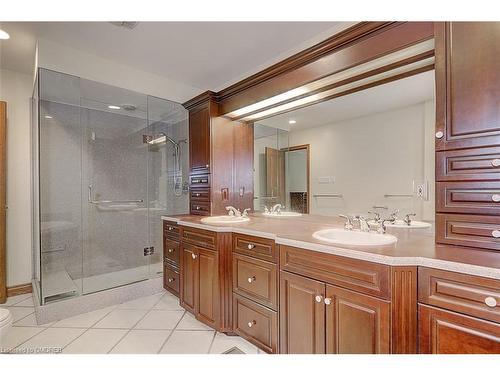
(394, 215)
(377, 215)
(348, 224)
(407, 219)
(245, 212)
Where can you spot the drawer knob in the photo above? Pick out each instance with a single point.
(207, 165)
(319, 299)
(328, 301)
(197, 194)
(170, 228)
(250, 246)
(251, 323)
(495, 163)
(193, 256)
(251, 279)
(439, 134)
(490, 301)
(495, 197)
(198, 207)
(170, 250)
(496, 233)
(170, 279)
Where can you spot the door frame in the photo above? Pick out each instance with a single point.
(3, 201)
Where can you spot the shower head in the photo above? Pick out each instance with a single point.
(162, 138)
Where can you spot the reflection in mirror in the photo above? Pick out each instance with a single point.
(370, 151)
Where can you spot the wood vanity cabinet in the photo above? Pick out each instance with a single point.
(220, 155)
(467, 133)
(318, 315)
(458, 314)
(171, 255)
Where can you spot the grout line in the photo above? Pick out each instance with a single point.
(212, 343)
(172, 332)
(129, 330)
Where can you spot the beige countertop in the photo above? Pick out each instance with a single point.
(415, 247)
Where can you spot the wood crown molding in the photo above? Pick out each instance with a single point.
(200, 100)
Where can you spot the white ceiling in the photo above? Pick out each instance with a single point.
(396, 94)
(205, 55)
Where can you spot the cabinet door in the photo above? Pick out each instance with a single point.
(208, 287)
(444, 332)
(356, 323)
(189, 277)
(199, 140)
(302, 315)
(467, 84)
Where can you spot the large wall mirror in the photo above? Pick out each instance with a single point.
(369, 151)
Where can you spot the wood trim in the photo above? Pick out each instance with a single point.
(200, 100)
(17, 290)
(306, 147)
(224, 246)
(3, 196)
(404, 310)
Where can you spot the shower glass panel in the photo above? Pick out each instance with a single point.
(111, 163)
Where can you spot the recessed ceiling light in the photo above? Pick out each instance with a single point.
(47, 116)
(113, 107)
(291, 122)
(4, 35)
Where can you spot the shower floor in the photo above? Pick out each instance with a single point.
(60, 283)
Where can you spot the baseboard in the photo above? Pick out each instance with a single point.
(19, 289)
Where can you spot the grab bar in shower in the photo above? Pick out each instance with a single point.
(111, 201)
(328, 196)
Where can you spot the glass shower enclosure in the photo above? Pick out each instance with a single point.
(108, 164)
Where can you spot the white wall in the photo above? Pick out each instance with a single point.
(16, 90)
(370, 156)
(72, 61)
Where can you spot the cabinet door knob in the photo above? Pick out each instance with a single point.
(490, 301)
(495, 163)
(207, 165)
(193, 256)
(496, 233)
(251, 279)
(251, 323)
(197, 207)
(197, 194)
(439, 134)
(319, 299)
(495, 197)
(250, 246)
(328, 301)
(170, 250)
(170, 279)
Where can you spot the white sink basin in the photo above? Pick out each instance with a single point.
(414, 224)
(282, 214)
(225, 219)
(354, 238)
(401, 224)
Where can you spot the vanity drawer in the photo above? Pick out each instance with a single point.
(171, 279)
(358, 275)
(468, 197)
(472, 295)
(199, 237)
(468, 230)
(171, 251)
(471, 164)
(200, 208)
(171, 229)
(255, 323)
(256, 279)
(200, 195)
(256, 247)
(200, 180)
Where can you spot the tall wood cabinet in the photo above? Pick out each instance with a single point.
(468, 134)
(220, 159)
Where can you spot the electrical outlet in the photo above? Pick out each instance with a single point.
(422, 191)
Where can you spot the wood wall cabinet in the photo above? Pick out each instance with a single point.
(467, 133)
(220, 159)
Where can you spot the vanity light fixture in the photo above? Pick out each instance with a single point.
(113, 107)
(4, 35)
(291, 122)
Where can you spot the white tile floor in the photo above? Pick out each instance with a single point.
(148, 325)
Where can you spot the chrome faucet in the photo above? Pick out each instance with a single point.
(348, 223)
(407, 219)
(377, 216)
(245, 212)
(276, 209)
(394, 215)
(232, 211)
(382, 227)
(363, 223)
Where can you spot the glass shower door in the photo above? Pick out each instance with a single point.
(115, 175)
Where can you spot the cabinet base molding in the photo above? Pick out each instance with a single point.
(17, 290)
